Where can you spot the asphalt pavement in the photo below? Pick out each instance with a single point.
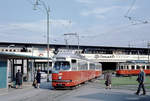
(91, 91)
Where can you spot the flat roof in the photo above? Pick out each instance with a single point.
(19, 56)
(75, 46)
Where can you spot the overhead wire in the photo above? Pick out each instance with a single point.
(134, 20)
(133, 3)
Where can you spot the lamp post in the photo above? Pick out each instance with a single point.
(148, 44)
(32, 69)
(47, 9)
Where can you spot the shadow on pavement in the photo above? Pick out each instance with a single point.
(115, 97)
(46, 85)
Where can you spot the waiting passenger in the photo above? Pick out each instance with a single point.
(108, 78)
(19, 79)
(38, 78)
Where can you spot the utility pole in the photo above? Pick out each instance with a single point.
(72, 34)
(66, 42)
(47, 9)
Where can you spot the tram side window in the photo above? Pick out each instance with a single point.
(143, 67)
(92, 66)
(97, 66)
(148, 67)
(79, 66)
(74, 64)
(137, 67)
(61, 65)
(132, 67)
(127, 67)
(121, 67)
(83, 65)
(86, 66)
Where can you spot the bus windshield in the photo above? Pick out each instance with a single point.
(61, 65)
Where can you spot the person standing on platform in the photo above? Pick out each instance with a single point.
(38, 78)
(141, 79)
(19, 79)
(108, 78)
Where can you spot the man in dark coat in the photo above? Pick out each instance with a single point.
(38, 78)
(19, 79)
(108, 80)
(141, 79)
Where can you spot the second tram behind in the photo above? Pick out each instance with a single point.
(132, 68)
(71, 69)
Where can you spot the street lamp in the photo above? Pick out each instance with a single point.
(47, 9)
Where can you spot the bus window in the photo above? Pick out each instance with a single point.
(132, 67)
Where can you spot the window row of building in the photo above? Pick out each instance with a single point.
(115, 51)
(15, 50)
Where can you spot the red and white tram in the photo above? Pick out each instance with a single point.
(71, 69)
(132, 68)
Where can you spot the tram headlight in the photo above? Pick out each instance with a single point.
(60, 77)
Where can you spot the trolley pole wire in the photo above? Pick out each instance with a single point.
(133, 19)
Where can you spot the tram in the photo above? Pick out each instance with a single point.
(71, 69)
(132, 68)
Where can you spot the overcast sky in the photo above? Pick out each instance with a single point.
(98, 22)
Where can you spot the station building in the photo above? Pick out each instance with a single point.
(11, 62)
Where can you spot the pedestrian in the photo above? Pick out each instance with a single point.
(141, 79)
(108, 78)
(19, 79)
(38, 78)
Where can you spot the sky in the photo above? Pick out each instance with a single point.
(97, 22)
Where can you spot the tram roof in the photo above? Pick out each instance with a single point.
(19, 56)
(72, 54)
(68, 53)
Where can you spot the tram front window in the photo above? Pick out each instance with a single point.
(61, 65)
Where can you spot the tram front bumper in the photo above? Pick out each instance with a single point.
(61, 83)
